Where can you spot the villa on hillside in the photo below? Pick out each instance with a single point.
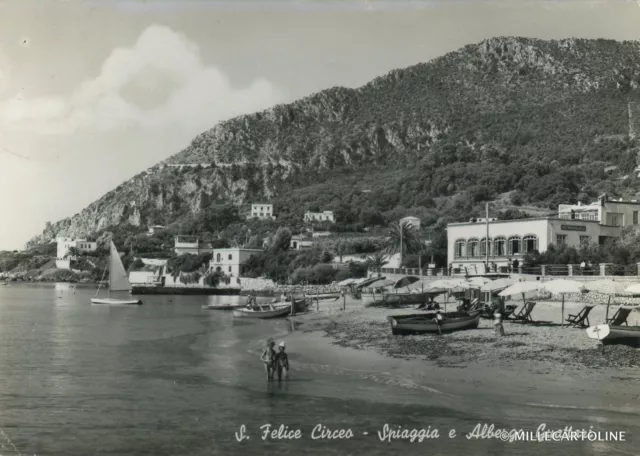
(324, 216)
(262, 211)
(192, 245)
(299, 242)
(230, 260)
(574, 225)
(64, 245)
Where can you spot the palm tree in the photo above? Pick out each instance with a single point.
(403, 238)
(377, 261)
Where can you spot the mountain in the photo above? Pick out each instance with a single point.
(512, 120)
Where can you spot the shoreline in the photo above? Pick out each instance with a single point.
(542, 365)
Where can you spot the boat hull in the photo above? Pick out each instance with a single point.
(116, 302)
(424, 323)
(613, 335)
(401, 299)
(262, 314)
(224, 306)
(324, 296)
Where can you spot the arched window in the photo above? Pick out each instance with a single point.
(529, 243)
(473, 248)
(483, 247)
(460, 248)
(230, 257)
(514, 246)
(218, 258)
(498, 246)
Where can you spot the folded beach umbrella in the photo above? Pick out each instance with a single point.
(369, 281)
(562, 287)
(520, 288)
(608, 287)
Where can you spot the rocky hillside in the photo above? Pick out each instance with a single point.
(548, 121)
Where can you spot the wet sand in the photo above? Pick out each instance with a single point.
(542, 363)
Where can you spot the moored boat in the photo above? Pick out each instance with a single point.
(262, 311)
(118, 281)
(117, 302)
(613, 334)
(426, 323)
(324, 296)
(224, 306)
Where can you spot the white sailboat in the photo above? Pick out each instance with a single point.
(118, 281)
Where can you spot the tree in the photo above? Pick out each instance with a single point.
(403, 238)
(282, 239)
(377, 261)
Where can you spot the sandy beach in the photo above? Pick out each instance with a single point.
(542, 363)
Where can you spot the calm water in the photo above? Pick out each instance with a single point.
(168, 378)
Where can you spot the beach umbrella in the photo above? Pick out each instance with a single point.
(633, 289)
(406, 281)
(367, 282)
(447, 284)
(477, 282)
(497, 285)
(562, 287)
(609, 288)
(520, 288)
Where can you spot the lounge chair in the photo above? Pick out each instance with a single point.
(579, 320)
(525, 313)
(620, 317)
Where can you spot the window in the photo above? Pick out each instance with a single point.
(561, 239)
(498, 246)
(460, 248)
(529, 243)
(585, 240)
(514, 246)
(230, 257)
(635, 217)
(614, 219)
(472, 248)
(218, 258)
(483, 247)
(229, 268)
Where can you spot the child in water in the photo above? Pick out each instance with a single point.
(282, 362)
(269, 359)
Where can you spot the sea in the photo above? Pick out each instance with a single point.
(169, 378)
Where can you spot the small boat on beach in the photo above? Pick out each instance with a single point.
(324, 296)
(613, 334)
(262, 311)
(118, 281)
(426, 322)
(225, 306)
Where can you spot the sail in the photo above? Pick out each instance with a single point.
(118, 280)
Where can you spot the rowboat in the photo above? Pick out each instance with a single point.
(612, 334)
(224, 306)
(324, 296)
(262, 311)
(426, 323)
(116, 302)
(401, 299)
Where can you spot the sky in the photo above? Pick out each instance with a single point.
(93, 92)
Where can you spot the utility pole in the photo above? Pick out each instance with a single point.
(400, 225)
(486, 242)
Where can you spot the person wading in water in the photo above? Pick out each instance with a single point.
(269, 359)
(282, 362)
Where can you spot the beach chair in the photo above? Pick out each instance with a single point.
(579, 320)
(620, 317)
(525, 313)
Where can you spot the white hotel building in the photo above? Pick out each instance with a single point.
(512, 239)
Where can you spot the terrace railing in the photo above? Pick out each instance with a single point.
(562, 270)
